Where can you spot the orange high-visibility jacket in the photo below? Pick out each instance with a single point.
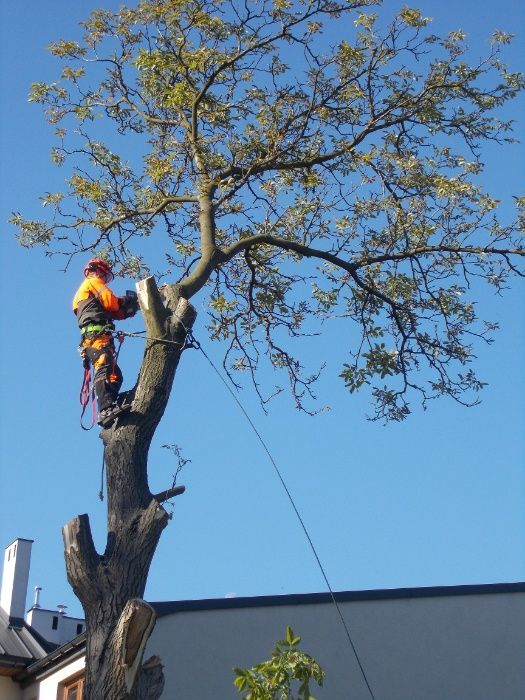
(94, 303)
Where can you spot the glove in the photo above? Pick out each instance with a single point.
(129, 304)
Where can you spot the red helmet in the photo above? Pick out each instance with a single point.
(99, 266)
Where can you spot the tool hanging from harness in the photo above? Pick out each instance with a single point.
(87, 389)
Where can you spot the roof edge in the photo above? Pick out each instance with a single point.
(58, 655)
(19, 539)
(169, 607)
(14, 662)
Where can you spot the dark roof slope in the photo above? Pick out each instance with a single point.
(20, 644)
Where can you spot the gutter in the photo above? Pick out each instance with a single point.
(56, 660)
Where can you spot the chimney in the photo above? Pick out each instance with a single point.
(38, 590)
(17, 559)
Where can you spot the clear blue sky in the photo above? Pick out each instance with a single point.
(438, 500)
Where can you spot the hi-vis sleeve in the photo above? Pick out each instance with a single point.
(94, 286)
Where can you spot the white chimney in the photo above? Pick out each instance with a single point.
(17, 559)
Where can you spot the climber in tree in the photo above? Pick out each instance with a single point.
(96, 307)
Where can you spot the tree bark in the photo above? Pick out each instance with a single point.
(111, 585)
(151, 680)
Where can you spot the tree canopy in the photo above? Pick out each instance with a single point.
(299, 159)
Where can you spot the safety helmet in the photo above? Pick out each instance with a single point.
(99, 266)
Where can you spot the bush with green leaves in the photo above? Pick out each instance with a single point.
(275, 679)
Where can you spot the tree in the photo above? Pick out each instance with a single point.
(274, 679)
(292, 175)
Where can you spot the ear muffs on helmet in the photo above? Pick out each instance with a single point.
(98, 265)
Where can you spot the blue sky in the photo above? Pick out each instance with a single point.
(437, 500)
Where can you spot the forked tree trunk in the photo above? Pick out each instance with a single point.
(111, 585)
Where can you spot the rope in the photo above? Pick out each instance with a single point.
(191, 342)
(301, 521)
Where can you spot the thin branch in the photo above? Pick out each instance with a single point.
(152, 211)
(415, 252)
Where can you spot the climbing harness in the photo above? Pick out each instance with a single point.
(96, 329)
(87, 389)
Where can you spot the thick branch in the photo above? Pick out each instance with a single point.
(78, 542)
(182, 319)
(169, 493)
(131, 634)
(285, 244)
(81, 556)
(211, 256)
(352, 267)
(307, 252)
(153, 310)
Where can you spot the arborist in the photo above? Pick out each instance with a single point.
(96, 307)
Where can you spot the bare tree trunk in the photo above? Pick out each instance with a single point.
(111, 586)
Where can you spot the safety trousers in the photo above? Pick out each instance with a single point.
(100, 351)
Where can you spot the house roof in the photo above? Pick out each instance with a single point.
(20, 644)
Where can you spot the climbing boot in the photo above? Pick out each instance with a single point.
(107, 417)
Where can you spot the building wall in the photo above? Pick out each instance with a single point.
(49, 686)
(55, 626)
(9, 690)
(434, 648)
